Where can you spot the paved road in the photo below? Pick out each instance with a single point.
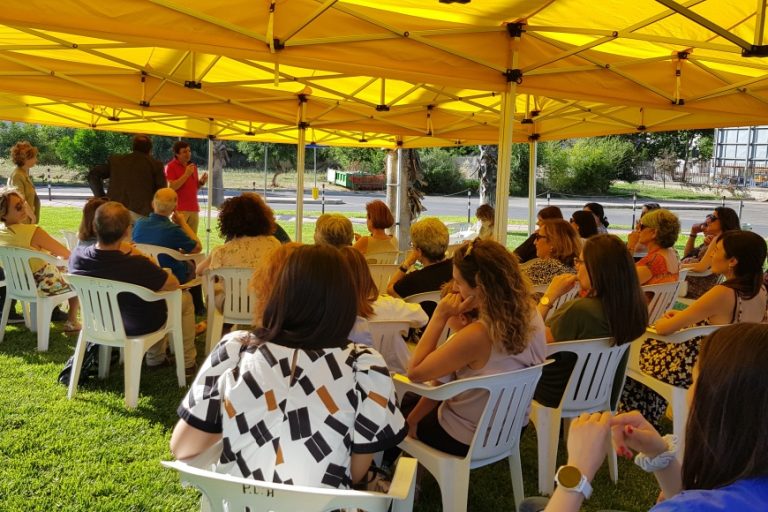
(618, 211)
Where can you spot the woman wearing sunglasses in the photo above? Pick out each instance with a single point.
(658, 232)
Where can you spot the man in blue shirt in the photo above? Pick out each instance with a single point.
(165, 227)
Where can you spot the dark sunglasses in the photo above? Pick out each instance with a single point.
(712, 218)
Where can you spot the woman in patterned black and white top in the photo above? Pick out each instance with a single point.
(295, 402)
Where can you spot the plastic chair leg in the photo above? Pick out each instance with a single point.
(105, 355)
(4, 320)
(77, 364)
(679, 418)
(516, 472)
(215, 328)
(133, 356)
(454, 489)
(44, 312)
(613, 465)
(548, 438)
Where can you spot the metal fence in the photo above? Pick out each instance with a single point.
(713, 173)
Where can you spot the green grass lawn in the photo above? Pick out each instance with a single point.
(91, 453)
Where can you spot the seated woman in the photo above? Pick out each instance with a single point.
(509, 335)
(597, 210)
(699, 259)
(612, 305)
(379, 218)
(287, 399)
(334, 229)
(739, 256)
(15, 231)
(527, 250)
(374, 307)
(658, 233)
(247, 225)
(86, 234)
(584, 223)
(725, 463)
(486, 217)
(557, 245)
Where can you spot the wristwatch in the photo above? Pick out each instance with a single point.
(403, 269)
(544, 301)
(570, 479)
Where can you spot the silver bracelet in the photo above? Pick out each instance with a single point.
(662, 460)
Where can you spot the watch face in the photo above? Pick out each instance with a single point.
(544, 300)
(569, 476)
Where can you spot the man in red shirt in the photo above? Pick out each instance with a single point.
(182, 177)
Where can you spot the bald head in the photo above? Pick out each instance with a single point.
(111, 222)
(164, 201)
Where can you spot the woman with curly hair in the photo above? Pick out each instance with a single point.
(658, 232)
(24, 155)
(379, 218)
(508, 335)
(557, 245)
(247, 225)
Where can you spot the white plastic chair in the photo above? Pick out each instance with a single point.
(418, 298)
(384, 257)
(70, 239)
(20, 285)
(388, 341)
(664, 296)
(381, 272)
(675, 396)
(567, 296)
(497, 436)
(239, 301)
(588, 390)
(103, 325)
(156, 250)
(225, 493)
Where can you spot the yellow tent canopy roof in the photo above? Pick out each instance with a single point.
(415, 72)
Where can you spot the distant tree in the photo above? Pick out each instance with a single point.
(487, 172)
(281, 158)
(90, 147)
(416, 182)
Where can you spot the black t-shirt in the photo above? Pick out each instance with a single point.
(428, 279)
(139, 317)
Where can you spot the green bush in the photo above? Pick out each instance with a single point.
(588, 166)
(87, 148)
(440, 172)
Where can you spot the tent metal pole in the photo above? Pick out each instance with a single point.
(210, 193)
(532, 146)
(300, 154)
(505, 153)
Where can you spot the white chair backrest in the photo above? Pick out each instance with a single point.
(418, 298)
(593, 375)
(381, 272)
(18, 274)
(384, 257)
(509, 398)
(233, 494)
(99, 307)
(388, 341)
(70, 239)
(567, 296)
(156, 250)
(239, 299)
(663, 297)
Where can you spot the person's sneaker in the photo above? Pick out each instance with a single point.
(15, 318)
(58, 315)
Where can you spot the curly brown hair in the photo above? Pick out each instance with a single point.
(22, 151)
(245, 215)
(506, 308)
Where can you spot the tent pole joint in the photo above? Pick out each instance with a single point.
(755, 50)
(534, 137)
(277, 44)
(191, 84)
(515, 29)
(514, 75)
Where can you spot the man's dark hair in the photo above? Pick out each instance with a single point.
(142, 143)
(110, 222)
(178, 146)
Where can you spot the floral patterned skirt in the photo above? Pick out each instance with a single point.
(669, 362)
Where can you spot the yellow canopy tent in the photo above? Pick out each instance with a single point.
(666, 65)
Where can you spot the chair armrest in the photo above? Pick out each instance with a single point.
(683, 334)
(206, 459)
(692, 273)
(404, 479)
(443, 392)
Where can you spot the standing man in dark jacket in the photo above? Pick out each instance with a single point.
(133, 178)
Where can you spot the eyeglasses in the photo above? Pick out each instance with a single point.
(537, 236)
(577, 261)
(712, 218)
